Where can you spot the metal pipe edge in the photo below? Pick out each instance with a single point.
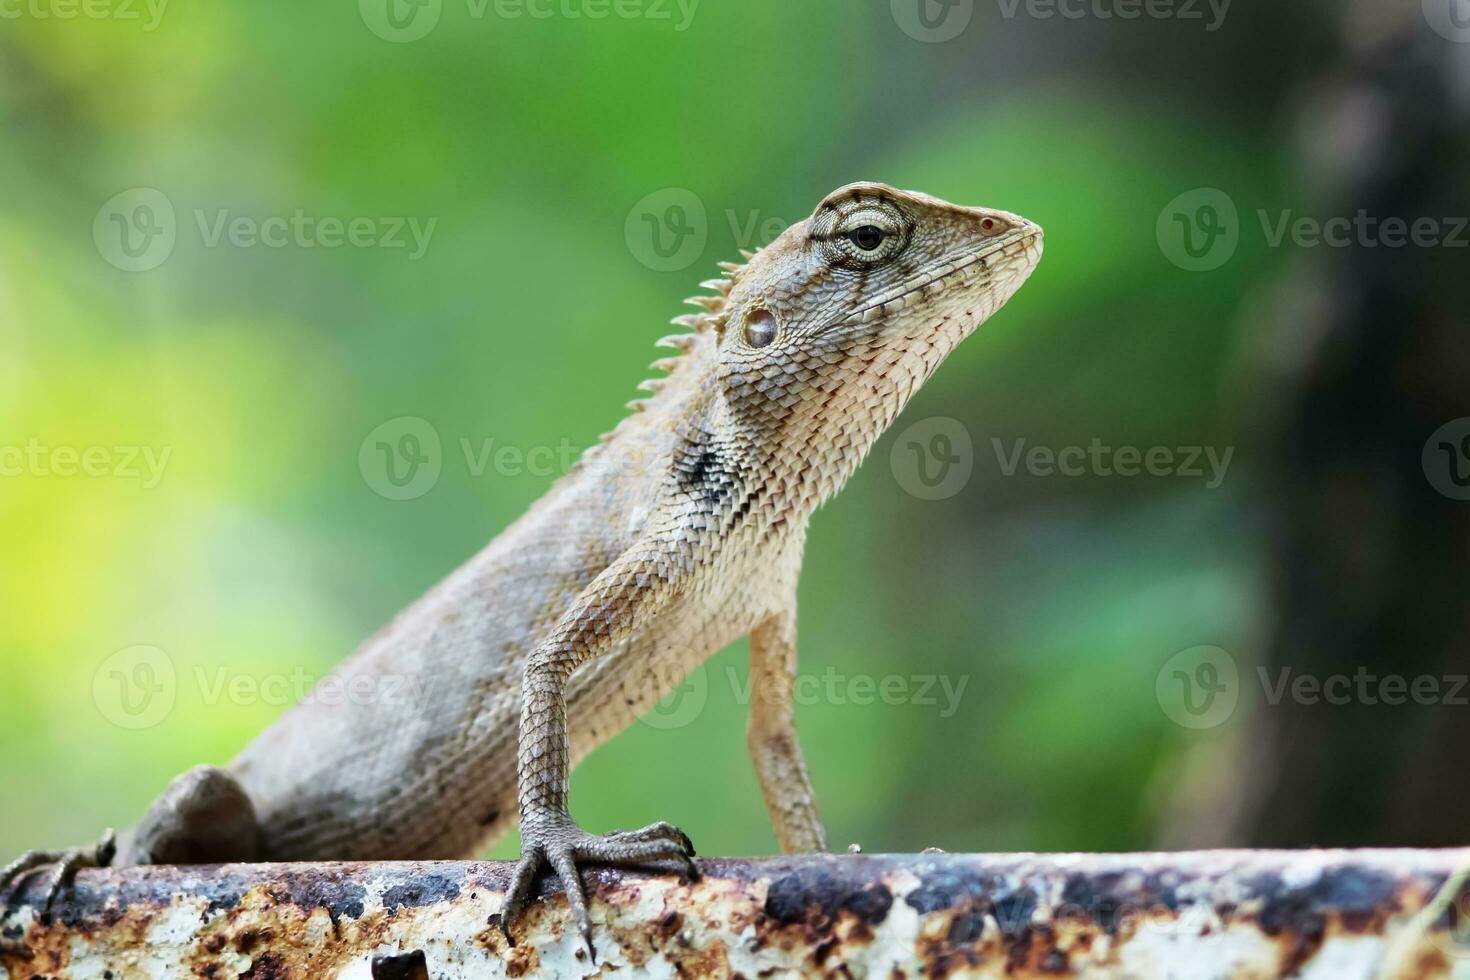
(1196, 915)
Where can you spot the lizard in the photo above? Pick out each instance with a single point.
(680, 531)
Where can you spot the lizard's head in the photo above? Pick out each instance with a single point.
(831, 327)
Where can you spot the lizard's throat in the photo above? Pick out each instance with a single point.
(828, 442)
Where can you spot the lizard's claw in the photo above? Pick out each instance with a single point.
(555, 840)
(67, 863)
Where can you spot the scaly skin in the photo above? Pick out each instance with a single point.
(680, 532)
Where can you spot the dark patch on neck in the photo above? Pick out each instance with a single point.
(703, 471)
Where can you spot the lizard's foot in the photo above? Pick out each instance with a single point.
(65, 864)
(553, 839)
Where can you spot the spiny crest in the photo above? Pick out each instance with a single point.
(698, 323)
(707, 322)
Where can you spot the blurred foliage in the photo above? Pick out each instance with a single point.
(263, 550)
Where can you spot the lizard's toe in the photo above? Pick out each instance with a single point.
(656, 842)
(661, 831)
(66, 864)
(565, 864)
(561, 855)
(518, 892)
(605, 851)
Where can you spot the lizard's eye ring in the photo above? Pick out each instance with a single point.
(761, 329)
(869, 236)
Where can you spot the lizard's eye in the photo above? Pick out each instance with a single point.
(869, 236)
(760, 328)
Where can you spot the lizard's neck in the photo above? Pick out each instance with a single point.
(740, 446)
(806, 454)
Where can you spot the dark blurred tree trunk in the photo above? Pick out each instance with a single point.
(1370, 347)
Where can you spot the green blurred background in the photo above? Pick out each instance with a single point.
(532, 142)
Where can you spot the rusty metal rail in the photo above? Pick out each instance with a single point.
(1318, 914)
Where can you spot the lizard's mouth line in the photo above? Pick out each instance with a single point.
(956, 273)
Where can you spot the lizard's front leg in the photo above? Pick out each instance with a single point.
(628, 595)
(771, 735)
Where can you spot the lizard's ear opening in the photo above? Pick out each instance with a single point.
(761, 328)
